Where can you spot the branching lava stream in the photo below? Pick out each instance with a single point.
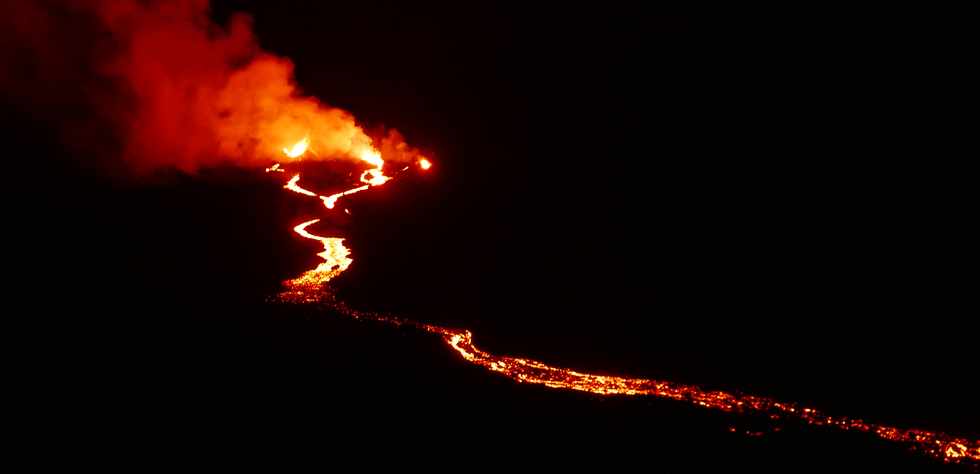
(311, 287)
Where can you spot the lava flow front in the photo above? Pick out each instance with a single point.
(311, 287)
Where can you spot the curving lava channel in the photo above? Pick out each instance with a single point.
(311, 287)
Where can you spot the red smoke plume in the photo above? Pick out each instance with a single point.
(176, 89)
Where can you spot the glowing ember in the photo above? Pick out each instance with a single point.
(297, 149)
(275, 168)
(311, 287)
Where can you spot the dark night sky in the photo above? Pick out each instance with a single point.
(620, 190)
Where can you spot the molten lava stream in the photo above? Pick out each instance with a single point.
(312, 287)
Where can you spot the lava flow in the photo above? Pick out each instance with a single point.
(311, 287)
(336, 259)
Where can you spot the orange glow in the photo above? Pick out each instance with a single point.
(371, 177)
(298, 148)
(190, 93)
(374, 176)
(331, 200)
(292, 186)
(942, 446)
(336, 259)
(425, 164)
(312, 287)
(372, 157)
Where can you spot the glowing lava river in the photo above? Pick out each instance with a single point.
(312, 287)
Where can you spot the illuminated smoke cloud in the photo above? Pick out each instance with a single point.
(173, 88)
